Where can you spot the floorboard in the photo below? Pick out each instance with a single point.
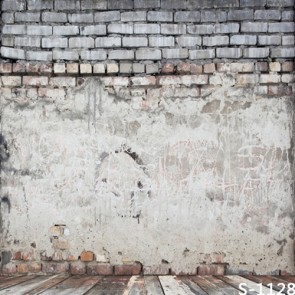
(172, 286)
(153, 285)
(14, 281)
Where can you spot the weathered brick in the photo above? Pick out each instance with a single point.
(107, 16)
(161, 269)
(168, 68)
(27, 16)
(122, 4)
(189, 80)
(65, 30)
(200, 29)
(55, 267)
(160, 16)
(196, 4)
(59, 68)
(215, 41)
(244, 79)
(261, 66)
(146, 29)
(99, 68)
(81, 18)
(125, 68)
(133, 16)
(8, 41)
(32, 67)
(23, 268)
(256, 52)
(270, 78)
(188, 41)
(286, 15)
(284, 27)
(102, 269)
(73, 68)
(252, 3)
(87, 256)
(135, 41)
(112, 68)
(242, 67)
(288, 40)
(35, 81)
(62, 81)
(65, 54)
(202, 54)
(243, 40)
(288, 66)
(161, 41)
(283, 52)
(152, 68)
(229, 52)
(7, 17)
(94, 4)
(179, 53)
(240, 15)
(81, 42)
(39, 30)
(213, 269)
(274, 66)
(9, 268)
(147, 4)
(108, 42)
(267, 15)
(34, 267)
(138, 68)
(121, 54)
(115, 81)
(15, 5)
(227, 28)
(6, 68)
(54, 17)
(126, 270)
(288, 78)
(14, 29)
(213, 16)
(254, 27)
(173, 4)
(93, 55)
(187, 16)
(40, 4)
(269, 40)
(281, 3)
(215, 80)
(226, 3)
(54, 42)
(183, 68)
(148, 54)
(196, 69)
(280, 90)
(27, 41)
(11, 80)
(12, 53)
(209, 68)
(94, 30)
(120, 28)
(66, 4)
(173, 29)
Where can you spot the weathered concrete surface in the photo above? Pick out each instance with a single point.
(185, 182)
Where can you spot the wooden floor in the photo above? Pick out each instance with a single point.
(148, 285)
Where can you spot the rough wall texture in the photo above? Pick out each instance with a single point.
(180, 158)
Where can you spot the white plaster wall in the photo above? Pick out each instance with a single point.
(212, 180)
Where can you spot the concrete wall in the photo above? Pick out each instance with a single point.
(188, 170)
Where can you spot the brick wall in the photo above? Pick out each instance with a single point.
(147, 136)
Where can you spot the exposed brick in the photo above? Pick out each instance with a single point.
(173, 4)
(115, 81)
(146, 29)
(187, 16)
(39, 30)
(227, 28)
(54, 42)
(27, 41)
(189, 41)
(106, 42)
(133, 16)
(54, 17)
(73, 68)
(242, 67)
(15, 5)
(160, 16)
(34, 267)
(138, 68)
(65, 30)
(196, 4)
(126, 68)
(39, 55)
(274, 66)
(81, 18)
(121, 54)
(288, 78)
(22, 268)
(120, 28)
(161, 41)
(288, 66)
(223, 67)
(62, 81)
(27, 17)
(202, 54)
(135, 41)
(216, 41)
(189, 80)
(282, 27)
(5, 68)
(127, 270)
(32, 67)
(243, 40)
(122, 4)
(102, 269)
(112, 68)
(147, 4)
(267, 15)
(14, 29)
(270, 78)
(51, 93)
(148, 54)
(143, 81)
(156, 270)
(288, 40)
(9, 268)
(256, 52)
(200, 29)
(213, 16)
(244, 79)
(94, 4)
(229, 52)
(283, 52)
(269, 40)
(240, 15)
(35, 81)
(209, 68)
(196, 69)
(81, 42)
(173, 29)
(8, 41)
(40, 4)
(252, 3)
(55, 267)
(65, 54)
(226, 3)
(261, 66)
(254, 27)
(281, 3)
(280, 90)
(107, 16)
(60, 243)
(178, 53)
(168, 68)
(94, 30)
(213, 269)
(152, 68)
(93, 55)
(286, 15)
(87, 256)
(8, 17)
(184, 68)
(11, 80)
(215, 80)
(67, 4)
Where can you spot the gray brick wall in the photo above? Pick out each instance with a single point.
(147, 30)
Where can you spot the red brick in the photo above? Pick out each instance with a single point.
(9, 268)
(19, 68)
(5, 68)
(46, 68)
(196, 69)
(32, 68)
(55, 267)
(77, 268)
(262, 66)
(288, 66)
(104, 269)
(168, 68)
(27, 255)
(128, 269)
(209, 68)
(211, 269)
(184, 68)
(223, 67)
(280, 90)
(35, 81)
(17, 255)
(86, 256)
(23, 268)
(34, 267)
(71, 258)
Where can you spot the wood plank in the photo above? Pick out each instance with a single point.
(290, 279)
(138, 288)
(197, 290)
(110, 286)
(207, 286)
(5, 278)
(77, 285)
(25, 286)
(224, 287)
(229, 280)
(172, 286)
(47, 284)
(14, 281)
(153, 285)
(266, 280)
